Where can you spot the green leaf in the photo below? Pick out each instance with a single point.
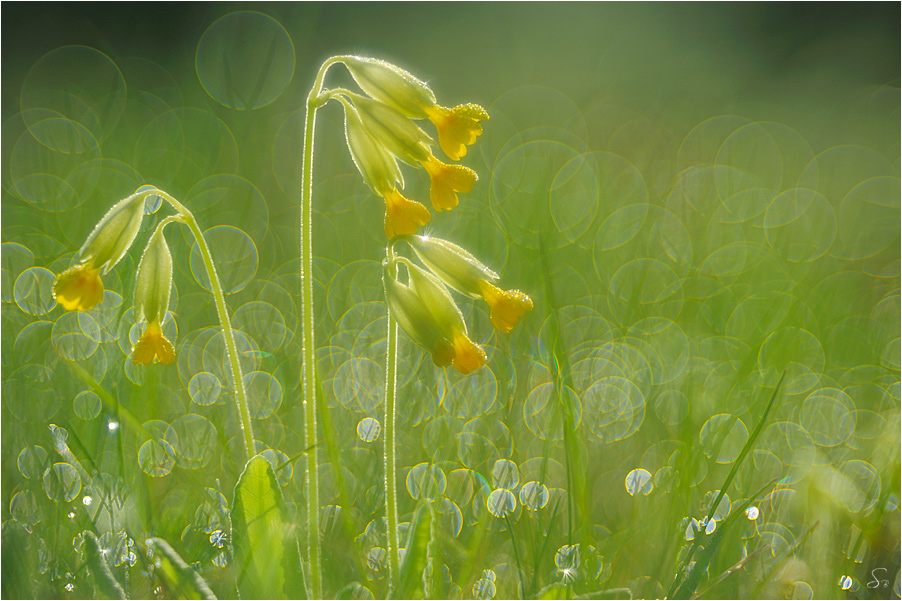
(259, 528)
(181, 580)
(410, 581)
(104, 582)
(554, 591)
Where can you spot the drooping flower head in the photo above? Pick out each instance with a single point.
(152, 289)
(426, 312)
(80, 286)
(380, 171)
(466, 274)
(457, 127)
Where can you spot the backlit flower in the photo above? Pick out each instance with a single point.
(80, 286)
(426, 312)
(466, 274)
(447, 181)
(152, 289)
(457, 127)
(379, 169)
(153, 346)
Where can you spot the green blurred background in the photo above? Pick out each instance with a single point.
(696, 196)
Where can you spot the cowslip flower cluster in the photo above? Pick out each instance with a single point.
(81, 288)
(381, 129)
(425, 309)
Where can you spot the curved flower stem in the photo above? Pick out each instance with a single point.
(391, 498)
(222, 311)
(308, 372)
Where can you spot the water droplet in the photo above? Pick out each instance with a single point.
(534, 496)
(501, 502)
(567, 557)
(752, 513)
(87, 500)
(505, 474)
(639, 481)
(112, 426)
(845, 583)
(368, 429)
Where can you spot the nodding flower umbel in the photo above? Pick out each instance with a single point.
(466, 274)
(380, 129)
(80, 286)
(152, 289)
(426, 312)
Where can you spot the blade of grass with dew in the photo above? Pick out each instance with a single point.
(693, 578)
(776, 567)
(723, 489)
(259, 527)
(562, 377)
(410, 577)
(104, 581)
(181, 580)
(730, 571)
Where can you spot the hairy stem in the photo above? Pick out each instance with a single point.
(391, 498)
(225, 324)
(308, 371)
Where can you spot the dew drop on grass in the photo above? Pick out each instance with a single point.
(484, 588)
(639, 481)
(32, 461)
(752, 513)
(534, 496)
(845, 583)
(204, 388)
(505, 474)
(567, 557)
(501, 502)
(376, 558)
(156, 457)
(24, 509)
(62, 482)
(426, 481)
(368, 429)
(87, 405)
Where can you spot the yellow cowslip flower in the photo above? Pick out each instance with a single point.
(447, 181)
(426, 312)
(80, 286)
(402, 139)
(457, 127)
(466, 274)
(380, 171)
(153, 346)
(152, 288)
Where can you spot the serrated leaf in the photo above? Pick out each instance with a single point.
(181, 580)
(259, 528)
(104, 581)
(410, 580)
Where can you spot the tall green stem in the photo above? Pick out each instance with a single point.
(222, 311)
(391, 497)
(308, 371)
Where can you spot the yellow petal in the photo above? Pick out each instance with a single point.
(153, 346)
(507, 306)
(447, 180)
(468, 356)
(403, 216)
(457, 127)
(79, 287)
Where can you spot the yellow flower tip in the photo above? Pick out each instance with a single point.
(507, 306)
(153, 346)
(403, 216)
(468, 356)
(447, 181)
(457, 127)
(79, 287)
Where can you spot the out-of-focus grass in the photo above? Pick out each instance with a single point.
(695, 202)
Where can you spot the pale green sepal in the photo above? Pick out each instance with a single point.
(400, 135)
(392, 85)
(454, 265)
(376, 164)
(154, 280)
(115, 232)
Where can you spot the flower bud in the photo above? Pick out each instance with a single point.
(376, 164)
(392, 85)
(428, 314)
(400, 135)
(80, 286)
(154, 280)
